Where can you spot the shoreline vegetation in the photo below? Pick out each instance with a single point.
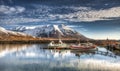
(29, 40)
(38, 40)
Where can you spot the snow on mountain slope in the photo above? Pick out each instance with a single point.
(50, 31)
(22, 28)
(4, 32)
(56, 28)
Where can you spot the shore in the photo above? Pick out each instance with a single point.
(38, 40)
(48, 40)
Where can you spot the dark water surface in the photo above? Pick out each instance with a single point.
(18, 57)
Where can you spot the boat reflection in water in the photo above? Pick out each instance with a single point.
(33, 58)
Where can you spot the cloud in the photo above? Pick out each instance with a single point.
(88, 14)
(73, 26)
(20, 20)
(84, 29)
(52, 14)
(11, 10)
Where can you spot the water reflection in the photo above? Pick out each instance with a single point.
(32, 58)
(8, 48)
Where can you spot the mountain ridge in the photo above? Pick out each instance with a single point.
(6, 35)
(52, 31)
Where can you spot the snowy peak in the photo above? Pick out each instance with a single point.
(57, 29)
(21, 28)
(7, 35)
(54, 31)
(3, 31)
(1, 28)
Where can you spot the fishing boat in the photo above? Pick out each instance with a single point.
(59, 45)
(84, 47)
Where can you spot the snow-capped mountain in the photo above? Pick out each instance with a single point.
(7, 32)
(11, 35)
(55, 31)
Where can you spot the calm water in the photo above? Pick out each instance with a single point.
(17, 57)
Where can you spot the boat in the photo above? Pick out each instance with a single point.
(84, 46)
(59, 45)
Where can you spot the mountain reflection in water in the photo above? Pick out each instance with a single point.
(19, 57)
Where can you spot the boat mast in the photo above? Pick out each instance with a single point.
(59, 36)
